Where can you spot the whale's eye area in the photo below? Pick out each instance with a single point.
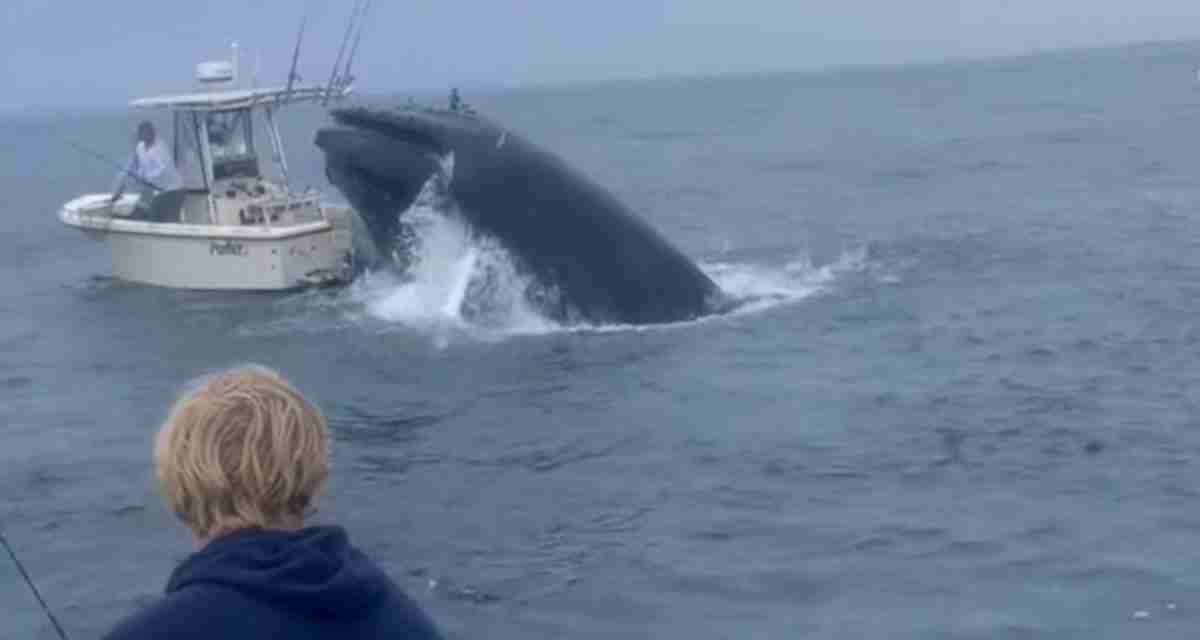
(415, 138)
(406, 130)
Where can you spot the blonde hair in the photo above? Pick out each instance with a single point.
(241, 449)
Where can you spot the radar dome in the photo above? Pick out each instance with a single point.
(214, 72)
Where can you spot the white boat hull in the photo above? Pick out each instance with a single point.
(187, 256)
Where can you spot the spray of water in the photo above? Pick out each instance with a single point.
(761, 287)
(449, 281)
(460, 283)
(453, 280)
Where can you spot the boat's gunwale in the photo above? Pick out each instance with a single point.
(72, 215)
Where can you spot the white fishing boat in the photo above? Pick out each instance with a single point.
(230, 225)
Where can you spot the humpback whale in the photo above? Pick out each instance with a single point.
(601, 261)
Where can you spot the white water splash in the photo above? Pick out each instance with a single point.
(757, 287)
(455, 283)
(463, 284)
(463, 287)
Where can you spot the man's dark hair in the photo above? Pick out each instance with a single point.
(146, 132)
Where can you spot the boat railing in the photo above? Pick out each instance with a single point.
(289, 208)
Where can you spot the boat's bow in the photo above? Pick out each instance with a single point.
(94, 211)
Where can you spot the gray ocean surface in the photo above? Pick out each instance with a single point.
(964, 403)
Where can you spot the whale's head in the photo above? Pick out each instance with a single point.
(381, 158)
(572, 236)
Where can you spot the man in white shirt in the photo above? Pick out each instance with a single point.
(151, 166)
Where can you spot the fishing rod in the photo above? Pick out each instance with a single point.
(103, 158)
(32, 587)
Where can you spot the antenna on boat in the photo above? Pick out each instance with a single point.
(291, 81)
(339, 78)
(237, 66)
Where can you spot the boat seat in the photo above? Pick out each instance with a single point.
(164, 207)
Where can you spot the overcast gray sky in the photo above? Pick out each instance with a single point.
(80, 52)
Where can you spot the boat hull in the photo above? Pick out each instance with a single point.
(186, 256)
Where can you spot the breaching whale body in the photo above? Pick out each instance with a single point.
(600, 261)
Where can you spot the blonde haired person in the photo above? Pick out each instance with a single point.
(242, 459)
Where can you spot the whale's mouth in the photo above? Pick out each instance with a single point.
(397, 149)
(380, 161)
(413, 128)
(387, 154)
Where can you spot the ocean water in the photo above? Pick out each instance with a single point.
(960, 401)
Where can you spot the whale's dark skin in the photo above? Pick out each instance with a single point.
(604, 262)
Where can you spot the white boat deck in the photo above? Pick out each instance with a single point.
(280, 255)
(92, 212)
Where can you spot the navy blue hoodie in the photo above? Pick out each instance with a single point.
(304, 585)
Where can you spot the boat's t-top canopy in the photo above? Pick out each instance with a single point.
(239, 98)
(216, 128)
(219, 76)
(213, 127)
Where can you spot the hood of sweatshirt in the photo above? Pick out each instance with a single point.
(313, 571)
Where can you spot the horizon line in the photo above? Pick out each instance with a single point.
(617, 80)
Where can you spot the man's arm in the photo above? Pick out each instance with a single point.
(119, 182)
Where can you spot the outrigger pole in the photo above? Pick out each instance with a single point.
(291, 82)
(357, 20)
(346, 77)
